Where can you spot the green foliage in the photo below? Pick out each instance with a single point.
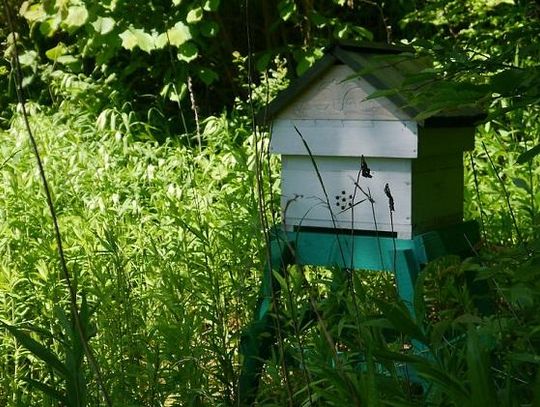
(153, 50)
(152, 232)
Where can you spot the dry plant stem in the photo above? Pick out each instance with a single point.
(327, 202)
(506, 195)
(175, 89)
(326, 198)
(351, 268)
(195, 109)
(261, 203)
(58, 236)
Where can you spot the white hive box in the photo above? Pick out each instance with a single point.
(324, 127)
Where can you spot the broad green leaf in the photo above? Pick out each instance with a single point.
(211, 5)
(318, 20)
(364, 33)
(34, 12)
(521, 295)
(399, 316)
(262, 62)
(529, 154)
(103, 25)
(521, 183)
(135, 37)
(479, 372)
(67, 60)
(54, 53)
(188, 52)
(341, 31)
(176, 2)
(77, 16)
(37, 349)
(525, 357)
(195, 15)
(179, 34)
(49, 27)
(29, 58)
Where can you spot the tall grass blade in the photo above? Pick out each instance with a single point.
(37, 349)
(479, 374)
(48, 390)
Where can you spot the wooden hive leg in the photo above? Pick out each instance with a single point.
(259, 337)
(407, 269)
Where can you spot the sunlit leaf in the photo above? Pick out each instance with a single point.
(211, 5)
(287, 9)
(49, 27)
(28, 58)
(103, 25)
(34, 12)
(135, 37)
(77, 16)
(54, 53)
(179, 34)
(194, 15)
(67, 60)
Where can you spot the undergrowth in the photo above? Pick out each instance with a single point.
(164, 243)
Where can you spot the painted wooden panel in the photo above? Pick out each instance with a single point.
(345, 138)
(443, 141)
(304, 202)
(437, 192)
(337, 96)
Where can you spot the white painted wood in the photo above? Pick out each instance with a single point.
(345, 138)
(337, 96)
(304, 202)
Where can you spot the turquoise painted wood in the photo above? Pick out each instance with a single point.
(403, 257)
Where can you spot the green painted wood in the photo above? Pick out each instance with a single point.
(347, 251)
(258, 338)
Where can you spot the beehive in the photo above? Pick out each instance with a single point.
(342, 152)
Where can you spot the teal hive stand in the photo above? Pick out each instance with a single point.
(346, 251)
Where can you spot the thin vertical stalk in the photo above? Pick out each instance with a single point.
(506, 195)
(261, 201)
(326, 197)
(52, 210)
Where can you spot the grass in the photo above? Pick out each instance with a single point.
(165, 245)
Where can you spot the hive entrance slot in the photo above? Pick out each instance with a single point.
(344, 231)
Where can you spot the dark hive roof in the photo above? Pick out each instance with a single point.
(381, 71)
